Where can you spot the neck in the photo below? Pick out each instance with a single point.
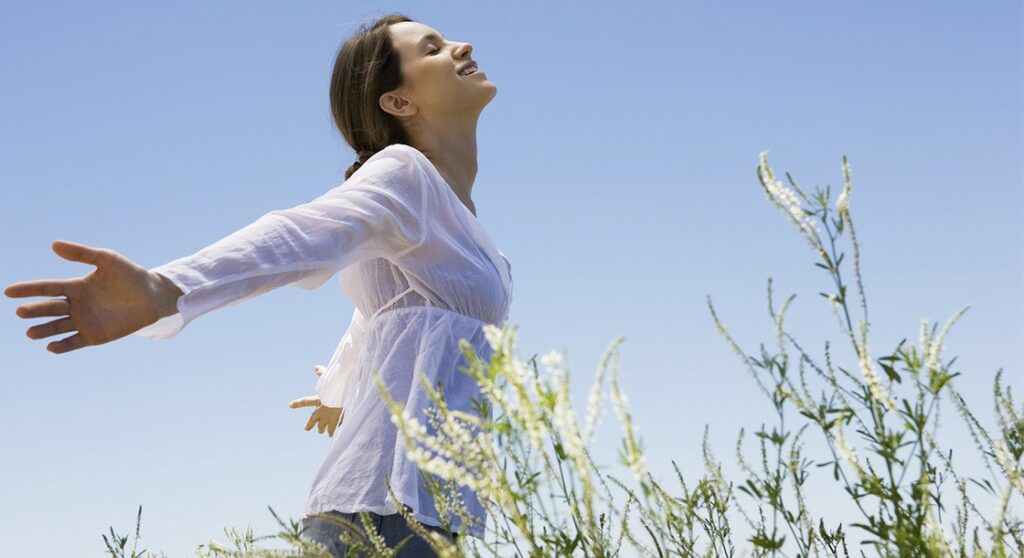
(452, 150)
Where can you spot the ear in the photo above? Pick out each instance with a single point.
(397, 105)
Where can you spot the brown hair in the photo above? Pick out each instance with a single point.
(367, 66)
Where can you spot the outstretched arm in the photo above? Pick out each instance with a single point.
(302, 246)
(116, 299)
(378, 214)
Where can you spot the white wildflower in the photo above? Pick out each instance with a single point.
(936, 533)
(836, 307)
(923, 340)
(843, 201)
(1010, 468)
(1002, 455)
(783, 197)
(936, 344)
(552, 360)
(564, 419)
(636, 464)
(922, 336)
(634, 457)
(933, 356)
(493, 335)
(871, 378)
(376, 539)
(594, 410)
(933, 353)
(531, 423)
(847, 453)
(518, 372)
(621, 400)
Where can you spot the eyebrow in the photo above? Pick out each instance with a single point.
(428, 37)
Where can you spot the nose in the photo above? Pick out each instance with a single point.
(464, 50)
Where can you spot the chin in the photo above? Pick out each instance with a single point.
(493, 90)
(483, 98)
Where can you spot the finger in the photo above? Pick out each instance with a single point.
(72, 343)
(321, 426)
(80, 252)
(319, 369)
(58, 307)
(40, 287)
(311, 421)
(311, 401)
(55, 327)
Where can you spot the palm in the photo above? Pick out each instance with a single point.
(111, 302)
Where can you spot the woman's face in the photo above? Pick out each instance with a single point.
(430, 66)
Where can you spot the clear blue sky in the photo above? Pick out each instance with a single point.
(617, 172)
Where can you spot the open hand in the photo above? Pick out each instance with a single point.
(116, 299)
(324, 418)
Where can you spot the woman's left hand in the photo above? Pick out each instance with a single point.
(324, 418)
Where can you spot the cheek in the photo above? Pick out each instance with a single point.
(437, 84)
(444, 75)
(441, 83)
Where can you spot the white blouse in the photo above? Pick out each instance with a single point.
(422, 273)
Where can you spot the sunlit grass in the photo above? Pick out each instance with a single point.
(526, 455)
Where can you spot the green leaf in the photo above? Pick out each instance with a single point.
(828, 260)
(762, 540)
(940, 380)
(753, 488)
(891, 372)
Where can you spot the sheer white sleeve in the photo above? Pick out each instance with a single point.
(378, 214)
(334, 383)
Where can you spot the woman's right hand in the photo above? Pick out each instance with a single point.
(323, 418)
(116, 299)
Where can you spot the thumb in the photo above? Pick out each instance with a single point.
(77, 252)
(311, 401)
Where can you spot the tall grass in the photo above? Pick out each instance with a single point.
(526, 453)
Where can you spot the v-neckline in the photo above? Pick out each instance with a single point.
(477, 230)
(447, 186)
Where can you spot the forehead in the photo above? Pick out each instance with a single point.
(407, 34)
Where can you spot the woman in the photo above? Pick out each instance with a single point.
(403, 233)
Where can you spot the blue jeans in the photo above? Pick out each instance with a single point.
(392, 528)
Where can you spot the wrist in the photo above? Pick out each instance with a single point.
(165, 295)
